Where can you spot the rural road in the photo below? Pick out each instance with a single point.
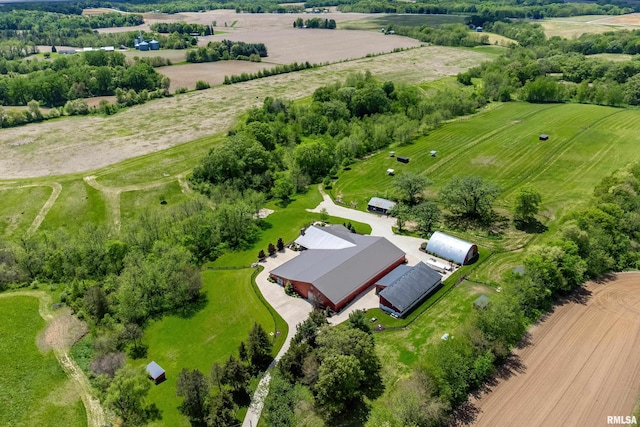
(296, 310)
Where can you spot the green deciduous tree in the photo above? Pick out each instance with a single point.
(223, 410)
(426, 215)
(470, 196)
(339, 383)
(526, 205)
(259, 347)
(410, 186)
(194, 388)
(127, 397)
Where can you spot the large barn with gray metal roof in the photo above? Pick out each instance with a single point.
(337, 265)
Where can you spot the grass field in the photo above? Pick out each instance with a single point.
(34, 390)
(209, 336)
(501, 144)
(19, 207)
(409, 20)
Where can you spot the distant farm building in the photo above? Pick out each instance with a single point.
(154, 45)
(402, 159)
(378, 205)
(479, 29)
(405, 288)
(391, 172)
(433, 153)
(452, 248)
(337, 265)
(143, 46)
(156, 373)
(543, 137)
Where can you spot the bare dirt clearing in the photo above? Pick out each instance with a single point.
(212, 72)
(583, 363)
(80, 144)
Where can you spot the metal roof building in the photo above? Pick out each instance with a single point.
(376, 204)
(451, 248)
(338, 266)
(409, 290)
(156, 373)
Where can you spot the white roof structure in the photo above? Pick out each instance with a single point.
(322, 238)
(451, 248)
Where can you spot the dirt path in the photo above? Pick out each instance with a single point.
(112, 194)
(60, 345)
(582, 366)
(57, 188)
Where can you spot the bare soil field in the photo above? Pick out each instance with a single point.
(581, 366)
(284, 43)
(80, 144)
(212, 72)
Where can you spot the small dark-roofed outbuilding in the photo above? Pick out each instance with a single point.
(402, 159)
(543, 137)
(409, 290)
(156, 373)
(481, 302)
(378, 205)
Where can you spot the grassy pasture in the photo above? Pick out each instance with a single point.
(134, 202)
(501, 144)
(34, 390)
(406, 20)
(208, 336)
(78, 203)
(19, 207)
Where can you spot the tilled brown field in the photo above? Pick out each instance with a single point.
(583, 363)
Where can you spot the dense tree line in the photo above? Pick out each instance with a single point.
(70, 77)
(329, 24)
(338, 365)
(444, 35)
(227, 50)
(266, 72)
(282, 146)
(487, 11)
(556, 70)
(181, 28)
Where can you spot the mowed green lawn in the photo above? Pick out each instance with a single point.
(586, 143)
(19, 207)
(209, 336)
(77, 204)
(34, 390)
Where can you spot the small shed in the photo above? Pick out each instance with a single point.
(403, 159)
(479, 29)
(392, 153)
(433, 153)
(378, 205)
(481, 302)
(543, 137)
(156, 373)
(391, 172)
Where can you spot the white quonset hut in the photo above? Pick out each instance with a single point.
(451, 248)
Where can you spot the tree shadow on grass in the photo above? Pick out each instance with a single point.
(531, 227)
(356, 416)
(264, 225)
(493, 223)
(285, 202)
(190, 310)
